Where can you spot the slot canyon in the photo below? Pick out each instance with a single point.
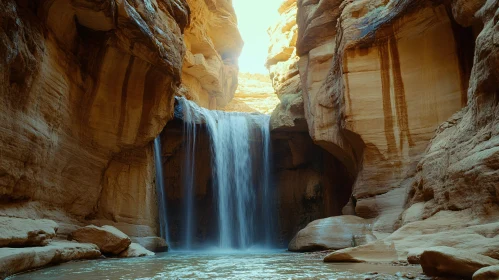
(137, 143)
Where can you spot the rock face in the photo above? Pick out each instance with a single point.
(332, 233)
(14, 260)
(312, 184)
(109, 239)
(81, 82)
(379, 78)
(445, 261)
(86, 86)
(209, 73)
(282, 63)
(15, 232)
(135, 250)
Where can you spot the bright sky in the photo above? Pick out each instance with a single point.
(254, 17)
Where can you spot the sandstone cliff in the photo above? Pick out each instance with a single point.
(282, 63)
(213, 42)
(404, 95)
(376, 86)
(85, 86)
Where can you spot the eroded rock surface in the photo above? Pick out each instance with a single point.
(16, 232)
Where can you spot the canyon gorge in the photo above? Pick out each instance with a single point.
(374, 138)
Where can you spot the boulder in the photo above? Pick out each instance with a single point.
(446, 261)
(487, 273)
(332, 233)
(15, 260)
(109, 239)
(17, 232)
(152, 243)
(135, 250)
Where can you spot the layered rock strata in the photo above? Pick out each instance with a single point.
(83, 81)
(85, 87)
(378, 77)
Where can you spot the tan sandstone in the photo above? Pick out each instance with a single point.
(109, 239)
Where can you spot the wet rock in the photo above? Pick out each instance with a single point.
(151, 243)
(135, 250)
(14, 260)
(16, 232)
(487, 273)
(446, 261)
(332, 233)
(109, 239)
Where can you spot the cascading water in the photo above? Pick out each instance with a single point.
(243, 193)
(160, 189)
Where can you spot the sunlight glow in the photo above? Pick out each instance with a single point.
(254, 18)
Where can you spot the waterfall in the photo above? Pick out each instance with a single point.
(240, 164)
(160, 189)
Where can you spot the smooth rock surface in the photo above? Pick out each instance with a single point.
(135, 250)
(109, 239)
(16, 232)
(15, 260)
(446, 261)
(487, 273)
(332, 233)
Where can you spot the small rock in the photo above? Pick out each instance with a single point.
(447, 261)
(109, 239)
(152, 243)
(487, 273)
(135, 250)
(17, 232)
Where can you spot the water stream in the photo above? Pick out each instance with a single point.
(216, 265)
(160, 189)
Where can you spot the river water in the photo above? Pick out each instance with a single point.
(221, 265)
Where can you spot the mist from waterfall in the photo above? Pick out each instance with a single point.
(241, 176)
(160, 190)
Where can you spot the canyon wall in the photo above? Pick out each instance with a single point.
(378, 77)
(311, 183)
(86, 86)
